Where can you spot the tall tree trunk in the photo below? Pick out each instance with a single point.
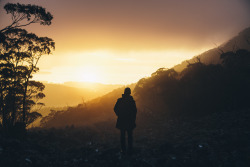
(13, 106)
(13, 97)
(24, 100)
(2, 110)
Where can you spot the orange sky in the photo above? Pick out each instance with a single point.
(113, 41)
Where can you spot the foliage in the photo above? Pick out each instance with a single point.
(23, 15)
(199, 89)
(19, 55)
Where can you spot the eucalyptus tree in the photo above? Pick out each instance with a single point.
(23, 15)
(20, 53)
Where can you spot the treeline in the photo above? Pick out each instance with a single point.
(196, 91)
(199, 89)
(20, 52)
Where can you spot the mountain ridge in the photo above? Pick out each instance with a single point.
(212, 56)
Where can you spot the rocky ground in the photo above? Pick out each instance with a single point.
(218, 140)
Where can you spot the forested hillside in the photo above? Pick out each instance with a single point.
(212, 56)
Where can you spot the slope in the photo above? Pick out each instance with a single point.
(212, 56)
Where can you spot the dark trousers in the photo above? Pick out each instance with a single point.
(130, 140)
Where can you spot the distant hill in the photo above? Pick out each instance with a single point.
(212, 56)
(73, 93)
(97, 110)
(97, 87)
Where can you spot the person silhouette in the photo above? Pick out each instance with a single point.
(125, 109)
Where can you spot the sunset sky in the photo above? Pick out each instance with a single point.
(119, 42)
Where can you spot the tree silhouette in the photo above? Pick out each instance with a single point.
(199, 89)
(19, 56)
(24, 15)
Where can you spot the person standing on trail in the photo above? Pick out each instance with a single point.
(125, 109)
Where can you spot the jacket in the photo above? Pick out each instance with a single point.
(125, 109)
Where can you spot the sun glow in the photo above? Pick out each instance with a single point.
(88, 73)
(109, 67)
(89, 77)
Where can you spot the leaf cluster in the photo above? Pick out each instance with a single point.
(23, 15)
